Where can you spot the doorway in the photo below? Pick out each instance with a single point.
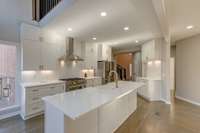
(128, 65)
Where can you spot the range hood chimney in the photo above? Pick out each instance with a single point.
(71, 56)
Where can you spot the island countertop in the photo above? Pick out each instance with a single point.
(77, 103)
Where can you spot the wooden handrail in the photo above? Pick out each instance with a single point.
(41, 8)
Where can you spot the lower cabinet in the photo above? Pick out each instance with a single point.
(31, 102)
(92, 82)
(151, 90)
(112, 115)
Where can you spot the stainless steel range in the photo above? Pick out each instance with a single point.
(74, 83)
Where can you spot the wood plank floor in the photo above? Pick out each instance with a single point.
(155, 117)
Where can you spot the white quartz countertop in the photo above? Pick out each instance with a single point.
(34, 84)
(149, 78)
(76, 103)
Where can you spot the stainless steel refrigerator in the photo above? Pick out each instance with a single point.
(103, 69)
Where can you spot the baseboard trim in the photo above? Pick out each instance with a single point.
(10, 112)
(187, 100)
(153, 100)
(165, 101)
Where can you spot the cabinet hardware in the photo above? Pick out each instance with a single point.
(36, 98)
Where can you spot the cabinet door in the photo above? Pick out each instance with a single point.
(104, 53)
(132, 103)
(30, 32)
(49, 56)
(97, 81)
(90, 56)
(89, 83)
(148, 51)
(59, 89)
(31, 54)
(99, 54)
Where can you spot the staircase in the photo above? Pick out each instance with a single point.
(40, 8)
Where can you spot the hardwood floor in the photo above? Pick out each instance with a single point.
(155, 117)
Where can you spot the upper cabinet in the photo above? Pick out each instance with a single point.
(104, 53)
(151, 50)
(30, 32)
(90, 56)
(31, 54)
(79, 48)
(152, 59)
(49, 56)
(36, 53)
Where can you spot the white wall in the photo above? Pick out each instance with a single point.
(188, 69)
(12, 13)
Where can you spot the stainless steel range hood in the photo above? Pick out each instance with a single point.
(70, 55)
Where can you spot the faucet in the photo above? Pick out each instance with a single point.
(116, 77)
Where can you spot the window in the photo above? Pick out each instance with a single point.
(7, 75)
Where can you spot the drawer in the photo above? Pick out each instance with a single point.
(33, 91)
(60, 89)
(33, 99)
(52, 90)
(34, 108)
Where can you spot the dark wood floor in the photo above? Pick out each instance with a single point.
(155, 117)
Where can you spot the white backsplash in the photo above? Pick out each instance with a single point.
(38, 76)
(69, 70)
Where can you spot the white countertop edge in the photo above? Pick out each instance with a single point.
(149, 78)
(35, 84)
(95, 77)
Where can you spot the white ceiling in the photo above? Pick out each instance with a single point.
(182, 13)
(83, 16)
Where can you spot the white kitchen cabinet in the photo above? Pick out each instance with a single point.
(151, 90)
(31, 54)
(31, 100)
(112, 115)
(151, 50)
(106, 112)
(49, 56)
(30, 32)
(92, 82)
(90, 56)
(104, 53)
(79, 48)
(38, 55)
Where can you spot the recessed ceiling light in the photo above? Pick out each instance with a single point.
(126, 28)
(94, 38)
(190, 27)
(136, 41)
(69, 29)
(103, 14)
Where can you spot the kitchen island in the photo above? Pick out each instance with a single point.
(100, 109)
